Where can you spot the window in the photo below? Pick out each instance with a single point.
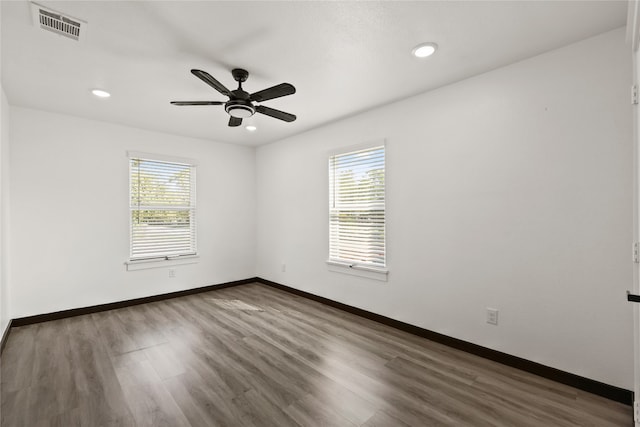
(163, 208)
(357, 208)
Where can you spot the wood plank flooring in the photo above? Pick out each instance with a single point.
(252, 355)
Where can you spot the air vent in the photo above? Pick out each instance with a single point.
(56, 22)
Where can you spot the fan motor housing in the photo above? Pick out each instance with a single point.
(239, 108)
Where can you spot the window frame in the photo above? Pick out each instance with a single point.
(137, 263)
(367, 270)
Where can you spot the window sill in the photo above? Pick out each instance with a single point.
(144, 264)
(358, 270)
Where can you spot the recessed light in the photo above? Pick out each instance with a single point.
(424, 50)
(251, 128)
(101, 93)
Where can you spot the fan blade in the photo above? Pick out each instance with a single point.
(235, 121)
(283, 89)
(197, 102)
(206, 77)
(275, 113)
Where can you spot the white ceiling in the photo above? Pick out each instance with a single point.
(343, 57)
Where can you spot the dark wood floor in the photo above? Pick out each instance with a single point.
(252, 355)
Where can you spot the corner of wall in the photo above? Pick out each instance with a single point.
(4, 211)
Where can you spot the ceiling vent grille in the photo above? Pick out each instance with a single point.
(56, 22)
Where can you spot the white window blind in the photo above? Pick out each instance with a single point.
(163, 209)
(357, 207)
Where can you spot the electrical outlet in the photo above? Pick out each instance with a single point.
(492, 316)
(172, 272)
(284, 268)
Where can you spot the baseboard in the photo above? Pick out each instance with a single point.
(29, 320)
(592, 386)
(5, 335)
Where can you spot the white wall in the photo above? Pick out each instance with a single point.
(5, 315)
(512, 189)
(70, 218)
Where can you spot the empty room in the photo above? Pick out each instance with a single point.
(319, 213)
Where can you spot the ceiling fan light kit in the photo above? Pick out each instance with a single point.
(240, 104)
(239, 109)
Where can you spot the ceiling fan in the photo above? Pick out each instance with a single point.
(241, 104)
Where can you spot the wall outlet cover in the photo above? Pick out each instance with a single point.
(492, 316)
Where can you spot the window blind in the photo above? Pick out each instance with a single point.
(163, 220)
(357, 207)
